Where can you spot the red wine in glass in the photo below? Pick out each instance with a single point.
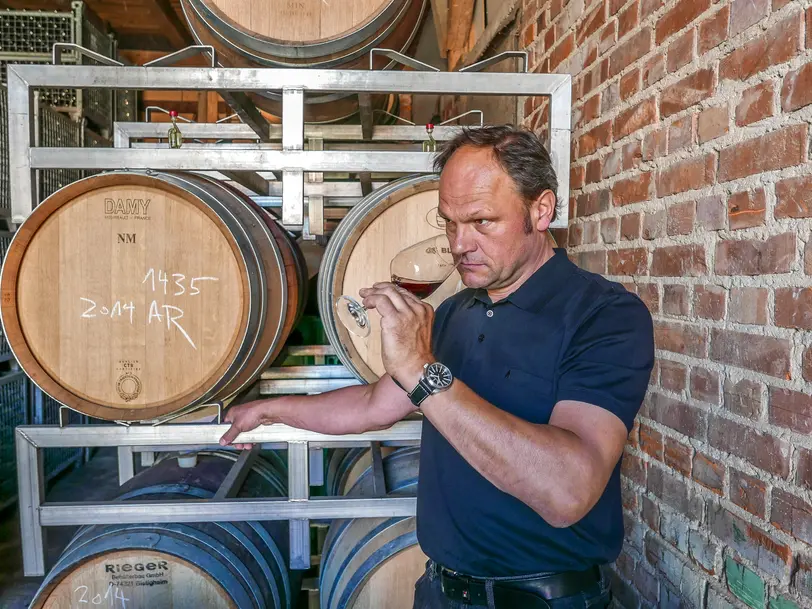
(420, 268)
(421, 289)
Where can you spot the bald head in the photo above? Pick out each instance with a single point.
(519, 153)
(495, 233)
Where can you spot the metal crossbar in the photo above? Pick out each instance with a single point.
(292, 160)
(298, 507)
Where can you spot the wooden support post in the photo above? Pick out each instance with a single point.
(439, 11)
(249, 113)
(202, 107)
(212, 107)
(460, 16)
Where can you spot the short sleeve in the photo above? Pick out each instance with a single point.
(609, 360)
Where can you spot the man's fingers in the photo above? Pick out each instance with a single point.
(228, 437)
(412, 301)
(396, 296)
(392, 294)
(382, 303)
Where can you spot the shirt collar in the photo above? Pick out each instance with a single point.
(537, 289)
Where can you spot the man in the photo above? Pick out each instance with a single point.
(539, 369)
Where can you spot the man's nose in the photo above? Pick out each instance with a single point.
(462, 242)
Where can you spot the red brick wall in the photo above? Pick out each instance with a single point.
(692, 185)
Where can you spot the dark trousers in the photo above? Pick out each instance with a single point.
(428, 594)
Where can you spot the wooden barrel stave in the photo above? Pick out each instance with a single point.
(385, 222)
(381, 545)
(262, 264)
(394, 27)
(270, 290)
(346, 465)
(195, 546)
(269, 471)
(59, 590)
(309, 43)
(372, 562)
(246, 560)
(238, 46)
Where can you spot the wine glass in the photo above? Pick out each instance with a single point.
(420, 269)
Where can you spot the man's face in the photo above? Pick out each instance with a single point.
(491, 231)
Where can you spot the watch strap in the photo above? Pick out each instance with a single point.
(418, 394)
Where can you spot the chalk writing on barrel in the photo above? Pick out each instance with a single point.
(178, 280)
(171, 313)
(113, 594)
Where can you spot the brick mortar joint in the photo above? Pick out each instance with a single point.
(709, 498)
(746, 183)
(767, 281)
(706, 447)
(734, 374)
(726, 94)
(740, 464)
(707, 60)
(711, 238)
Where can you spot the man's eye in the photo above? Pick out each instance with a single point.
(483, 222)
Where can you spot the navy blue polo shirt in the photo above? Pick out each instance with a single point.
(565, 334)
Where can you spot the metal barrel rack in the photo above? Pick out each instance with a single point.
(280, 164)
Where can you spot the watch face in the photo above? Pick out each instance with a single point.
(438, 376)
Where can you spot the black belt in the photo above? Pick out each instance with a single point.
(528, 593)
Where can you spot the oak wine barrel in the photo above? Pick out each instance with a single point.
(368, 563)
(374, 231)
(346, 465)
(306, 34)
(228, 565)
(138, 295)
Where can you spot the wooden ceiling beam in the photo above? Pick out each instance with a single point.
(505, 14)
(460, 17)
(151, 43)
(439, 13)
(177, 32)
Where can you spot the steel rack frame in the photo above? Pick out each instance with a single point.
(278, 153)
(292, 161)
(298, 507)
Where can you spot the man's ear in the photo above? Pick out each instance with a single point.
(543, 210)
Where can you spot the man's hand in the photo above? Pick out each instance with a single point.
(244, 417)
(406, 324)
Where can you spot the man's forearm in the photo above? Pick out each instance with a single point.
(545, 466)
(348, 410)
(342, 411)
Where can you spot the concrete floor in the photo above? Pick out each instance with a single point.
(95, 481)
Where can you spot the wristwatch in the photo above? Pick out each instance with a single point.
(436, 377)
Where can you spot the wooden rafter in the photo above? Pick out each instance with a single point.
(507, 13)
(439, 12)
(176, 32)
(460, 16)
